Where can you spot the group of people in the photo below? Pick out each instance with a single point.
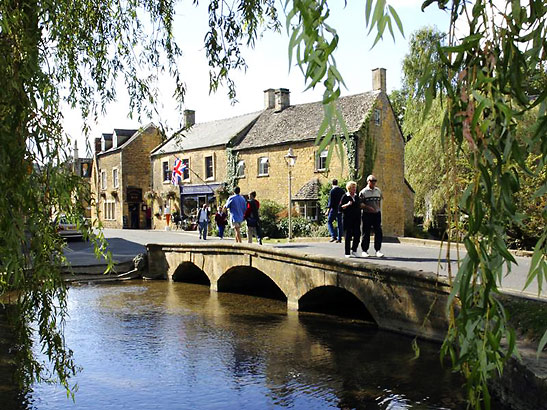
(352, 211)
(241, 210)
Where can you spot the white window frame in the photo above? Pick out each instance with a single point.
(308, 210)
(263, 166)
(115, 178)
(164, 171)
(240, 169)
(109, 210)
(205, 168)
(377, 116)
(321, 161)
(187, 170)
(103, 180)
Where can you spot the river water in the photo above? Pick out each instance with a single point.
(165, 345)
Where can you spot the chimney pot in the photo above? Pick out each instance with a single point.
(379, 79)
(189, 118)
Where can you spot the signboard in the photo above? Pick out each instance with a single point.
(134, 194)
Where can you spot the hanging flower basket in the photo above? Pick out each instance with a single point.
(114, 192)
(171, 195)
(150, 196)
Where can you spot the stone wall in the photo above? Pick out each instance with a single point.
(275, 185)
(388, 146)
(196, 165)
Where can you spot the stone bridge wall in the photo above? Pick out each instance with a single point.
(399, 299)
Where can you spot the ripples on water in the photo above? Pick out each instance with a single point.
(162, 345)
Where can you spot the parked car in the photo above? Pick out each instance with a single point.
(67, 229)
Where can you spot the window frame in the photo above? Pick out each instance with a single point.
(110, 210)
(186, 172)
(240, 166)
(377, 116)
(321, 159)
(103, 180)
(166, 172)
(115, 178)
(206, 168)
(260, 170)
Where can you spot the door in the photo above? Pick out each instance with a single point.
(134, 216)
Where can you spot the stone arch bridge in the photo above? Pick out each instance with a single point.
(397, 299)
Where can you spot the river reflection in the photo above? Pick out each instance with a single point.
(164, 345)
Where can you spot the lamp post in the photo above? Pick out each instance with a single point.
(290, 158)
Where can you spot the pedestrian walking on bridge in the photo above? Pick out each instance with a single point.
(237, 205)
(371, 199)
(334, 213)
(351, 208)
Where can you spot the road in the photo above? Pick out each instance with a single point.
(125, 244)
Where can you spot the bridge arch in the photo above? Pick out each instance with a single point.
(249, 280)
(337, 301)
(188, 272)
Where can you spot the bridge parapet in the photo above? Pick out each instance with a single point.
(398, 299)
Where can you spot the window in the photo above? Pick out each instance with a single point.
(263, 166)
(240, 170)
(209, 168)
(110, 210)
(377, 116)
(321, 161)
(186, 172)
(115, 181)
(308, 210)
(103, 179)
(166, 171)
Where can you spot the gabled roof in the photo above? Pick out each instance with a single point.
(134, 135)
(301, 122)
(309, 191)
(207, 134)
(124, 133)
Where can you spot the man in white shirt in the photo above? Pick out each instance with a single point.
(371, 203)
(203, 221)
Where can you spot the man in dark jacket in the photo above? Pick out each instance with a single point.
(333, 212)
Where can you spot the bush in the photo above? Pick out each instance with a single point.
(269, 211)
(301, 227)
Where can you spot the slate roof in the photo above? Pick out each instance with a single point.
(309, 191)
(133, 134)
(124, 133)
(301, 122)
(207, 134)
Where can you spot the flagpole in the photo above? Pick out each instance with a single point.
(192, 171)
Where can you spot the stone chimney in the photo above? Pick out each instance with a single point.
(189, 118)
(269, 98)
(379, 79)
(282, 99)
(75, 154)
(97, 145)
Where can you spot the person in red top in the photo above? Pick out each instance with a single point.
(221, 221)
(253, 219)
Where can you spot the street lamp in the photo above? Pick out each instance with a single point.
(290, 158)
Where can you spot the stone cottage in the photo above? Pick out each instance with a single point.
(376, 145)
(204, 149)
(121, 175)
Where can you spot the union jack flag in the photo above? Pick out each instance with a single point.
(178, 171)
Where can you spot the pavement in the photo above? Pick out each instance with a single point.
(410, 253)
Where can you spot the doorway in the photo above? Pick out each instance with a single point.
(134, 216)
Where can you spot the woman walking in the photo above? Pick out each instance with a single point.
(351, 209)
(221, 220)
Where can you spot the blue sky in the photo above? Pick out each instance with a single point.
(269, 66)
